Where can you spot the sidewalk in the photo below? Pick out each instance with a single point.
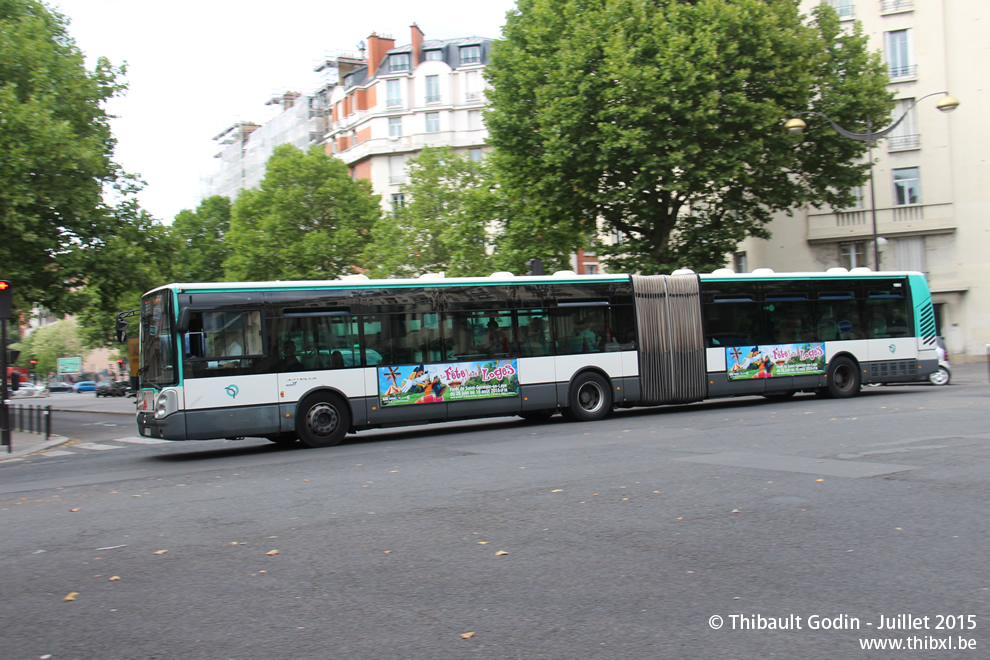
(24, 443)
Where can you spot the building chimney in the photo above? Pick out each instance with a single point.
(417, 43)
(377, 47)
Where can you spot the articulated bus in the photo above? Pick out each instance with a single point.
(311, 361)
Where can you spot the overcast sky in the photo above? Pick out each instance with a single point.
(196, 67)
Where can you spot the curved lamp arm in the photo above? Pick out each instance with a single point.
(796, 125)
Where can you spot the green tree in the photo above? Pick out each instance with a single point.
(307, 220)
(450, 207)
(49, 343)
(202, 240)
(662, 119)
(56, 151)
(120, 268)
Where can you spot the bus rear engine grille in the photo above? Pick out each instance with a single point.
(893, 369)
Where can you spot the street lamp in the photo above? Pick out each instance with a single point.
(797, 125)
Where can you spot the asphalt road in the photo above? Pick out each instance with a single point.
(506, 539)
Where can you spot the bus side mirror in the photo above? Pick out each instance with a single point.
(121, 329)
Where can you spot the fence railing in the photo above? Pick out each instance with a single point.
(31, 419)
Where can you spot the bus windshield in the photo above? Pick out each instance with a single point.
(158, 367)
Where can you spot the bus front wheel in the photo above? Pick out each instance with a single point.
(322, 420)
(843, 378)
(589, 399)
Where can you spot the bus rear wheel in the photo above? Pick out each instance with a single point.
(843, 378)
(589, 399)
(322, 420)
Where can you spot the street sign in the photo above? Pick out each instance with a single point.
(69, 365)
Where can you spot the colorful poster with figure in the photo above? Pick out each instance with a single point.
(447, 382)
(775, 360)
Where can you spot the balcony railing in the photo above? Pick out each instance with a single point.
(905, 71)
(902, 142)
(858, 223)
(888, 6)
(432, 98)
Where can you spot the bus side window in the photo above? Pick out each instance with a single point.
(534, 340)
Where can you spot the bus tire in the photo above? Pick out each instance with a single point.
(843, 378)
(589, 398)
(322, 420)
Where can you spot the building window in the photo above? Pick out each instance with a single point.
(858, 197)
(432, 89)
(905, 135)
(393, 93)
(852, 255)
(908, 253)
(900, 55)
(739, 263)
(396, 169)
(472, 85)
(474, 120)
(398, 199)
(395, 127)
(398, 62)
(470, 54)
(475, 155)
(591, 269)
(844, 8)
(432, 122)
(434, 56)
(907, 186)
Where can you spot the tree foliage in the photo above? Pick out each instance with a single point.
(138, 257)
(307, 220)
(201, 236)
(449, 208)
(662, 119)
(49, 343)
(56, 144)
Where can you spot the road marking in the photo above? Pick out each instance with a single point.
(57, 452)
(141, 441)
(95, 446)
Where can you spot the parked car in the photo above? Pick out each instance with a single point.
(119, 388)
(944, 373)
(59, 386)
(84, 386)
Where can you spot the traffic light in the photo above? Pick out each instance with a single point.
(120, 364)
(535, 267)
(34, 363)
(6, 294)
(15, 381)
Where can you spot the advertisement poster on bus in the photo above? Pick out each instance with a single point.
(775, 360)
(447, 382)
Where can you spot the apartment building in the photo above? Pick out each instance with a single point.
(931, 173)
(425, 93)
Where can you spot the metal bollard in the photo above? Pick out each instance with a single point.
(48, 423)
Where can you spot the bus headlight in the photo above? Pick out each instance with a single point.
(166, 405)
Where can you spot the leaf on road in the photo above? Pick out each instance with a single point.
(72, 596)
(160, 552)
(272, 553)
(73, 510)
(500, 553)
(820, 480)
(115, 578)
(482, 542)
(559, 490)
(468, 635)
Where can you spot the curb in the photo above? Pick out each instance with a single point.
(53, 441)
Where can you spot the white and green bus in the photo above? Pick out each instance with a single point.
(311, 361)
